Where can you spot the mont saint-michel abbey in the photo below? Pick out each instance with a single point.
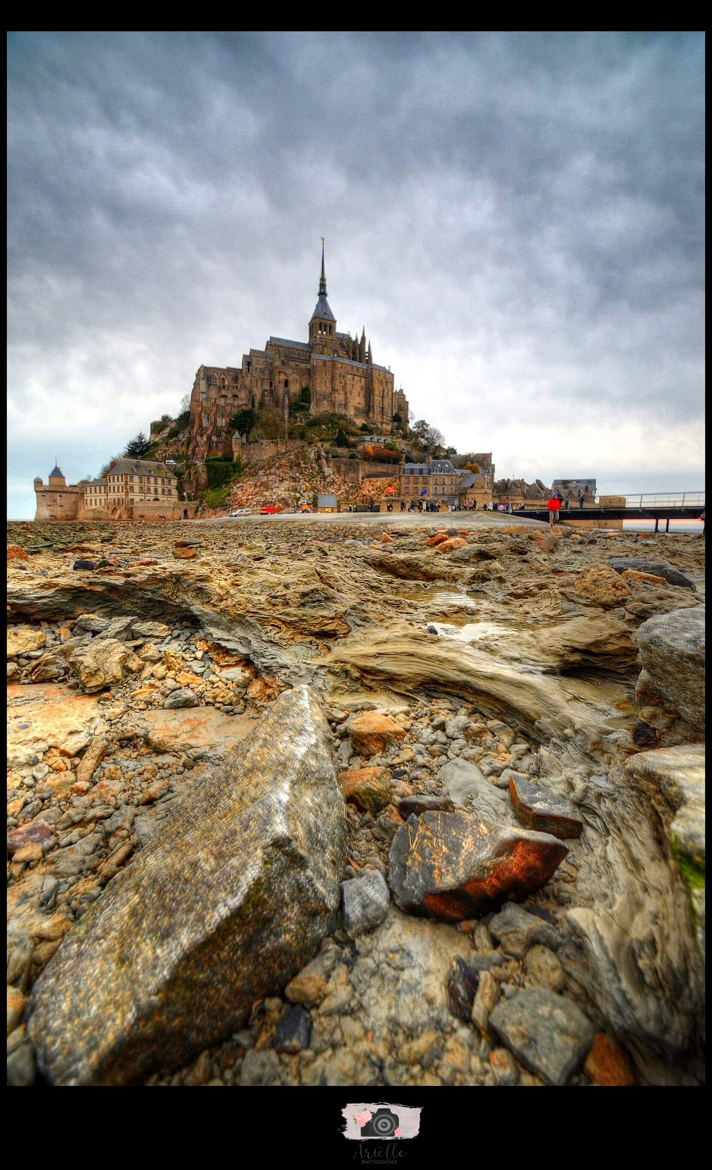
(338, 369)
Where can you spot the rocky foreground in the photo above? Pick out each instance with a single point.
(361, 802)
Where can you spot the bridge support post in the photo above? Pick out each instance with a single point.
(667, 524)
(656, 523)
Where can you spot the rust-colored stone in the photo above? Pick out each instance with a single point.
(16, 553)
(452, 866)
(34, 832)
(608, 1063)
(631, 574)
(371, 732)
(451, 544)
(369, 788)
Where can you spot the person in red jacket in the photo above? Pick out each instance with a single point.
(553, 505)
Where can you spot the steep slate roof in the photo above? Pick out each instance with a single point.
(437, 467)
(286, 341)
(138, 467)
(57, 471)
(322, 312)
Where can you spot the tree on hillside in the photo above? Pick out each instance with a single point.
(270, 424)
(430, 436)
(243, 421)
(137, 448)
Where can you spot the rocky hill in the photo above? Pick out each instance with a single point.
(288, 479)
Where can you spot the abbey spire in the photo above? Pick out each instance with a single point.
(322, 327)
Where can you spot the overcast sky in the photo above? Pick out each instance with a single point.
(516, 218)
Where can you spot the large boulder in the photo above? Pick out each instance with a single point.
(224, 905)
(672, 654)
(453, 866)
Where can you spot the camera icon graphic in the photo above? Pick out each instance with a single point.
(383, 1124)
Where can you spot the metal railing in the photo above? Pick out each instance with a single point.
(663, 499)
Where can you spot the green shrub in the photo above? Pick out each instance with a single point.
(222, 472)
(243, 421)
(216, 497)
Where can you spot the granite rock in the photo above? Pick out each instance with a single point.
(366, 900)
(547, 1033)
(516, 930)
(222, 907)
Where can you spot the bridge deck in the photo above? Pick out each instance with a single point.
(602, 514)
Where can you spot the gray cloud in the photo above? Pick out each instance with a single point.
(515, 217)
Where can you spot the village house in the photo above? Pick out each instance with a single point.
(438, 483)
(132, 489)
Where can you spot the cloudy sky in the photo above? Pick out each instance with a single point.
(516, 218)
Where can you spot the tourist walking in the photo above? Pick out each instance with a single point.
(553, 504)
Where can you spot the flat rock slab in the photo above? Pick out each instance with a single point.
(222, 907)
(546, 1032)
(195, 728)
(453, 866)
(662, 569)
(43, 713)
(535, 808)
(672, 655)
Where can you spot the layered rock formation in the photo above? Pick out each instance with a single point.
(506, 701)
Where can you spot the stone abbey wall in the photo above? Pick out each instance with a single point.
(337, 368)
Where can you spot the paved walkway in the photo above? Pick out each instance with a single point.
(385, 519)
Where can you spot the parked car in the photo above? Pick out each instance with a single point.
(242, 512)
(269, 510)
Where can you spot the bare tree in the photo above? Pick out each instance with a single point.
(429, 436)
